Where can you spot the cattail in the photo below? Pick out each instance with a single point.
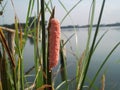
(54, 42)
(103, 82)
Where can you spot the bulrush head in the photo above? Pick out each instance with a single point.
(54, 42)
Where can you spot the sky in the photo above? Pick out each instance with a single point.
(78, 16)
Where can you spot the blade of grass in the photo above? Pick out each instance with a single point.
(47, 7)
(68, 39)
(3, 7)
(18, 76)
(66, 11)
(69, 10)
(4, 77)
(63, 65)
(93, 43)
(32, 6)
(5, 45)
(19, 46)
(60, 85)
(85, 59)
(29, 12)
(39, 80)
(99, 41)
(18, 42)
(79, 68)
(106, 59)
(74, 26)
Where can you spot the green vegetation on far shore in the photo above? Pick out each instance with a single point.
(66, 26)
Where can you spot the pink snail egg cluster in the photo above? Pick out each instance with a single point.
(54, 42)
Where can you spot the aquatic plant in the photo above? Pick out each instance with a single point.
(47, 47)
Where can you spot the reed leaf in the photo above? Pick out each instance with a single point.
(61, 84)
(68, 39)
(29, 12)
(86, 53)
(99, 40)
(63, 65)
(79, 68)
(65, 10)
(20, 54)
(4, 78)
(47, 7)
(18, 76)
(93, 43)
(69, 10)
(106, 59)
(39, 80)
(5, 45)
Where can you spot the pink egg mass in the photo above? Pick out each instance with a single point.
(54, 42)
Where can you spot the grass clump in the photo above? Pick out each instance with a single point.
(47, 47)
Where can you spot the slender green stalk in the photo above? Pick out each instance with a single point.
(36, 53)
(85, 58)
(18, 75)
(20, 54)
(93, 43)
(39, 80)
(11, 57)
(68, 39)
(106, 59)
(63, 65)
(16, 81)
(3, 70)
(61, 84)
(99, 41)
(47, 7)
(49, 72)
(70, 11)
(29, 12)
(43, 39)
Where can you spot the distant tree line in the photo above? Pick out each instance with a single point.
(31, 23)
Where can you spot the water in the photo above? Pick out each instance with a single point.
(76, 46)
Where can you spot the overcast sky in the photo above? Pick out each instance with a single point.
(79, 16)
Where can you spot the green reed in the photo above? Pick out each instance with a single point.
(43, 78)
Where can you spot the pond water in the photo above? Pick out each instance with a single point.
(76, 46)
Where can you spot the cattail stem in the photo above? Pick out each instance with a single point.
(43, 39)
(53, 46)
(49, 72)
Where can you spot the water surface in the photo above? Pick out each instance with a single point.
(77, 45)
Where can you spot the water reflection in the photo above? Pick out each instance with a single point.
(108, 42)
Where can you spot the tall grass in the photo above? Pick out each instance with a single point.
(13, 75)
